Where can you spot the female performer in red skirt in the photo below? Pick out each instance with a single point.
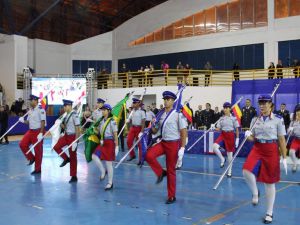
(228, 124)
(108, 148)
(263, 160)
(294, 130)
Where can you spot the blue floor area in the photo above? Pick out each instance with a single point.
(49, 199)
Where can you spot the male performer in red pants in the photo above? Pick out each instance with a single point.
(71, 128)
(36, 120)
(137, 127)
(173, 128)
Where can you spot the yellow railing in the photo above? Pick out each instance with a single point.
(200, 78)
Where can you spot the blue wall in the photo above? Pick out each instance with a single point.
(247, 56)
(81, 66)
(288, 51)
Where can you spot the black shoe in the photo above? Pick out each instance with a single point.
(103, 178)
(268, 219)
(131, 158)
(223, 164)
(35, 172)
(229, 175)
(171, 200)
(107, 188)
(161, 177)
(64, 162)
(139, 163)
(73, 179)
(256, 203)
(30, 162)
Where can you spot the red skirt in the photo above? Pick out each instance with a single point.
(227, 139)
(263, 161)
(107, 151)
(295, 144)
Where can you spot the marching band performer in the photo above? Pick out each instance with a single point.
(36, 120)
(263, 161)
(70, 125)
(108, 148)
(173, 128)
(294, 130)
(137, 126)
(227, 124)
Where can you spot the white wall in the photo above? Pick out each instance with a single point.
(172, 10)
(201, 95)
(7, 67)
(95, 48)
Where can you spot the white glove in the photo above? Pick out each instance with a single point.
(180, 153)
(89, 120)
(248, 133)
(284, 163)
(116, 151)
(290, 129)
(74, 146)
(140, 134)
(58, 121)
(213, 126)
(21, 120)
(237, 141)
(40, 137)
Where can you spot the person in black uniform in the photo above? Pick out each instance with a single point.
(248, 112)
(217, 114)
(208, 116)
(285, 115)
(198, 117)
(4, 124)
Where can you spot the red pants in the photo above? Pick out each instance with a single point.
(133, 134)
(263, 161)
(107, 151)
(30, 138)
(170, 149)
(64, 141)
(227, 139)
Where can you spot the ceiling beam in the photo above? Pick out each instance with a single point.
(29, 26)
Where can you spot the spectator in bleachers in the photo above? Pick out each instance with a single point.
(285, 115)
(208, 67)
(279, 67)
(187, 69)
(104, 78)
(296, 66)
(141, 76)
(271, 70)
(248, 113)
(208, 116)
(179, 69)
(198, 120)
(217, 114)
(165, 67)
(236, 72)
(122, 76)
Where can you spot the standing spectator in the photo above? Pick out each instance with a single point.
(285, 115)
(154, 109)
(13, 108)
(296, 66)
(18, 106)
(151, 74)
(165, 68)
(104, 78)
(217, 114)
(147, 70)
(279, 67)
(198, 117)
(149, 116)
(208, 116)
(179, 69)
(248, 112)
(271, 71)
(4, 123)
(208, 67)
(140, 76)
(236, 72)
(187, 69)
(124, 75)
(1, 94)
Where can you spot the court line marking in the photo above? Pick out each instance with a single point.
(223, 214)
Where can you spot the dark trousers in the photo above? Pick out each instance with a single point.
(2, 131)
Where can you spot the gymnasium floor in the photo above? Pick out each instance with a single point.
(136, 199)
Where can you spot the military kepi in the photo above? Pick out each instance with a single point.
(168, 94)
(265, 98)
(67, 102)
(106, 106)
(100, 100)
(33, 97)
(227, 105)
(135, 100)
